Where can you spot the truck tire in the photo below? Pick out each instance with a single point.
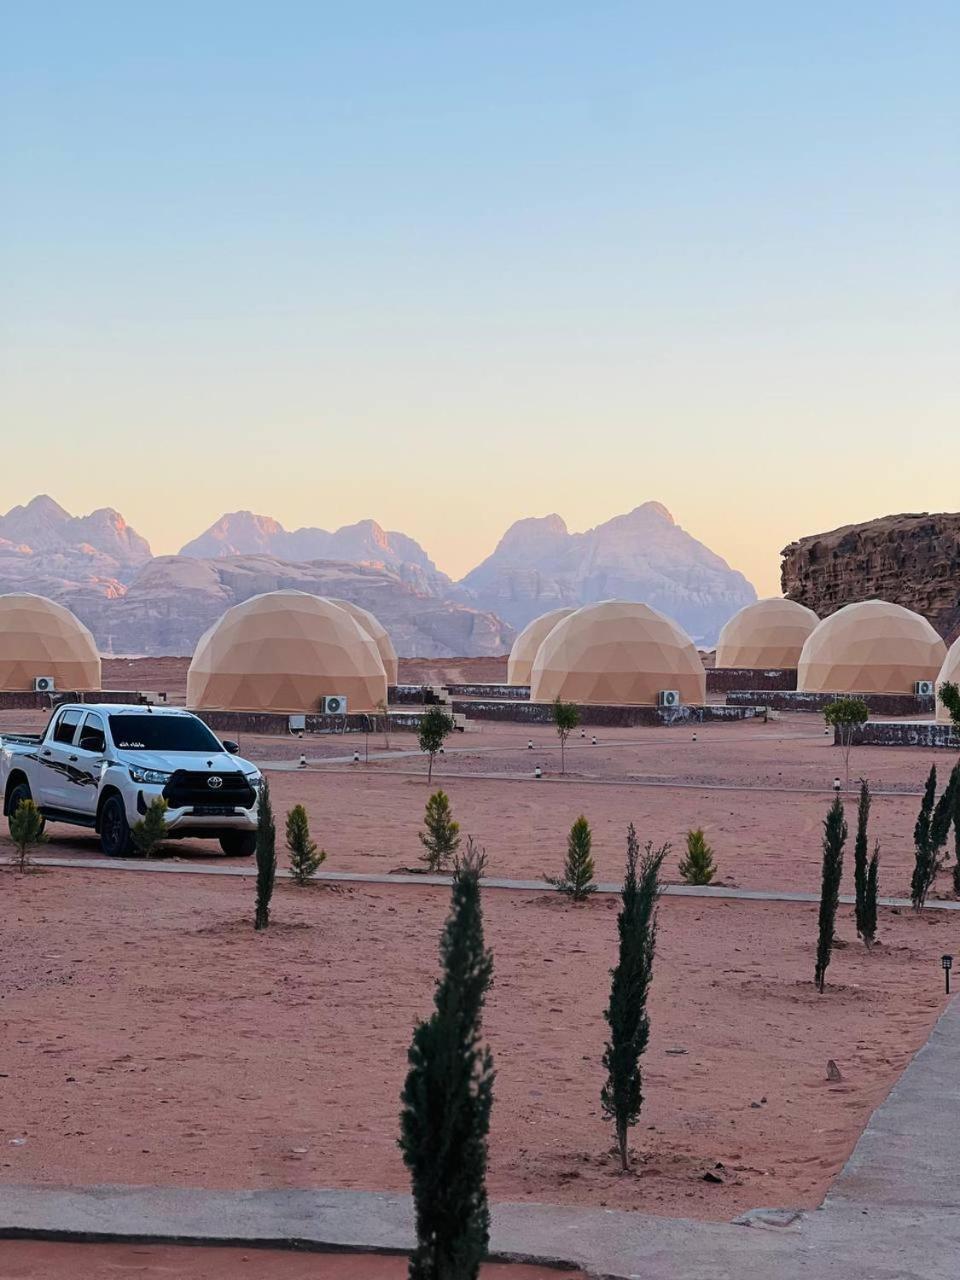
(115, 838)
(239, 844)
(20, 793)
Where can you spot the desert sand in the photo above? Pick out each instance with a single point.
(43, 1260)
(150, 1036)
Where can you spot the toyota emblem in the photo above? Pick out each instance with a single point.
(216, 782)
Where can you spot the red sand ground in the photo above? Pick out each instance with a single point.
(41, 1260)
(150, 1036)
(367, 816)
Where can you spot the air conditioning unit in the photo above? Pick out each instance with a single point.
(923, 688)
(668, 698)
(44, 684)
(297, 724)
(335, 705)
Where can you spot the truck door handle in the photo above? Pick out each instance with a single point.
(73, 759)
(48, 752)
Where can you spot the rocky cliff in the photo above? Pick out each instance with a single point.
(242, 533)
(913, 560)
(643, 555)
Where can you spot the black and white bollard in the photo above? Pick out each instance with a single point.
(303, 761)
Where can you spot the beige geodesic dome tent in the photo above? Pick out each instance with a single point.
(617, 653)
(41, 638)
(950, 671)
(520, 662)
(376, 631)
(769, 634)
(871, 647)
(283, 651)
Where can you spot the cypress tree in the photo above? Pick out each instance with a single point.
(442, 836)
(931, 832)
(447, 1097)
(834, 838)
(622, 1094)
(148, 833)
(266, 857)
(577, 879)
(305, 857)
(698, 866)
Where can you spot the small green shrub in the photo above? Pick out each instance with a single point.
(698, 866)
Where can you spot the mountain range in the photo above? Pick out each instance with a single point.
(134, 602)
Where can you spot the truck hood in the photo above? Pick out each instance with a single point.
(194, 761)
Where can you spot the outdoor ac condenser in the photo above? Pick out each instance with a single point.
(923, 688)
(668, 698)
(44, 684)
(334, 705)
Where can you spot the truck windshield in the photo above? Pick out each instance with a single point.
(161, 733)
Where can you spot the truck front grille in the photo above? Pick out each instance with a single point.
(188, 788)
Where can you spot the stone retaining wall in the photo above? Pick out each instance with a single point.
(724, 679)
(607, 716)
(904, 733)
(277, 723)
(30, 701)
(884, 704)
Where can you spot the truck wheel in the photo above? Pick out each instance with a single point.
(239, 844)
(115, 838)
(20, 793)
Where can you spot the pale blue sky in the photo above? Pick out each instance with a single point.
(449, 267)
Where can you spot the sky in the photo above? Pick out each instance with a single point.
(448, 266)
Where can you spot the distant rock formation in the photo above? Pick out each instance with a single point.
(643, 556)
(174, 599)
(913, 560)
(242, 533)
(45, 549)
(103, 570)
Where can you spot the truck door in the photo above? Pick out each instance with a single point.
(83, 779)
(56, 756)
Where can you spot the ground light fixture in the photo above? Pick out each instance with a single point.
(303, 761)
(946, 964)
(836, 786)
(694, 738)
(583, 733)
(594, 739)
(529, 744)
(538, 772)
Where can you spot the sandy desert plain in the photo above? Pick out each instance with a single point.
(151, 1037)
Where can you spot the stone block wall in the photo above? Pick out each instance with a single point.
(753, 679)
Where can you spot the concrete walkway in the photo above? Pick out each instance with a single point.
(893, 1214)
(156, 866)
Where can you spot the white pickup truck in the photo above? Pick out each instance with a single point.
(100, 765)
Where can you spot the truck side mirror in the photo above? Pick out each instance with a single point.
(232, 748)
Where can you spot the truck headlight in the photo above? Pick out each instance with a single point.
(148, 775)
(255, 779)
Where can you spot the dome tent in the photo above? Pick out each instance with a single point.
(617, 653)
(376, 631)
(41, 638)
(949, 673)
(520, 662)
(283, 651)
(870, 647)
(768, 634)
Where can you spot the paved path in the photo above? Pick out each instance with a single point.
(489, 882)
(893, 1214)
